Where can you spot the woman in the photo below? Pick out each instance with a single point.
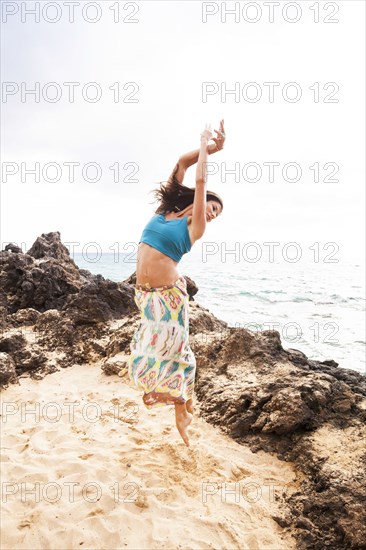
(161, 363)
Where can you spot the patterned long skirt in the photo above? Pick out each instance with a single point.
(161, 363)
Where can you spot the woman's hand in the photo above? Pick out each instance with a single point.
(221, 136)
(207, 133)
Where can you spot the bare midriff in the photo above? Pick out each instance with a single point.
(154, 268)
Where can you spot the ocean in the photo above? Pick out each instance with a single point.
(318, 308)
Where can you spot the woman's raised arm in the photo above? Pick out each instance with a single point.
(199, 202)
(179, 172)
(186, 160)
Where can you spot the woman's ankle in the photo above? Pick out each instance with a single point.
(180, 410)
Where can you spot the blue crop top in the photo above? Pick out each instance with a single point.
(171, 237)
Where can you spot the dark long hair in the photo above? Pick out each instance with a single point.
(174, 196)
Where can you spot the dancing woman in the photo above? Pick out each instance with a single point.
(161, 363)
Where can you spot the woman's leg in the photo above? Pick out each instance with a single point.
(189, 405)
(183, 418)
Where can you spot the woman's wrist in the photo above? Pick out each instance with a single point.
(212, 148)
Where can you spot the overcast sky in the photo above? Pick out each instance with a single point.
(168, 53)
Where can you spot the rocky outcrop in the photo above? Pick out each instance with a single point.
(35, 279)
(311, 413)
(8, 373)
(47, 278)
(54, 315)
(277, 396)
(99, 301)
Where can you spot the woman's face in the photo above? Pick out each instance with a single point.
(213, 209)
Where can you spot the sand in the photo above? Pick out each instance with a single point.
(92, 468)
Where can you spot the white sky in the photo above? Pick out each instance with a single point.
(169, 53)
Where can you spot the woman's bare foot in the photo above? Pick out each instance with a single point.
(183, 418)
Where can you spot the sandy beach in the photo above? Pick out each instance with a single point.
(85, 465)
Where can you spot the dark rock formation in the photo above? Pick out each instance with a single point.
(17, 358)
(8, 373)
(279, 401)
(47, 278)
(13, 248)
(100, 301)
(35, 280)
(49, 245)
(312, 413)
